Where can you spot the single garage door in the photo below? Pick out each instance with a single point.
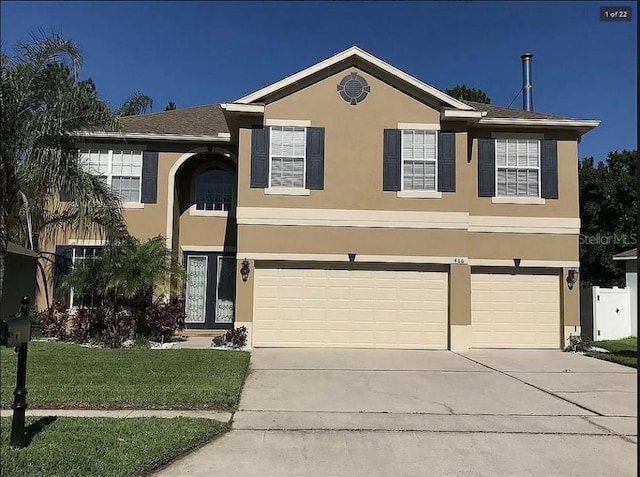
(515, 311)
(302, 307)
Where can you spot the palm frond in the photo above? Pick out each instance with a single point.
(137, 103)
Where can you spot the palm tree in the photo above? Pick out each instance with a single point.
(126, 275)
(42, 106)
(137, 103)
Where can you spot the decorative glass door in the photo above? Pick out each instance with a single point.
(210, 292)
(225, 292)
(196, 294)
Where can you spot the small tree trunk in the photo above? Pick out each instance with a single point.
(3, 256)
(4, 244)
(8, 194)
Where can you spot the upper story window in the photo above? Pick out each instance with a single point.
(121, 169)
(419, 160)
(517, 168)
(287, 157)
(214, 189)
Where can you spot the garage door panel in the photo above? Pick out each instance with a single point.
(515, 311)
(350, 308)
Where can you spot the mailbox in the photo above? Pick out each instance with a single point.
(15, 331)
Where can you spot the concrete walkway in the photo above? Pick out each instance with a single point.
(125, 413)
(407, 413)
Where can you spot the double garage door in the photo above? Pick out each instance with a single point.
(364, 308)
(350, 308)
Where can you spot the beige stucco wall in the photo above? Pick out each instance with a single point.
(207, 231)
(459, 294)
(406, 242)
(353, 155)
(570, 308)
(244, 294)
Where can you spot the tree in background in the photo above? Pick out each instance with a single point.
(59, 75)
(170, 106)
(43, 104)
(608, 208)
(470, 94)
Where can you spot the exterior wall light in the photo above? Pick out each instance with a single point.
(572, 278)
(352, 257)
(516, 262)
(244, 271)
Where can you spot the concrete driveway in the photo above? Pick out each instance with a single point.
(383, 412)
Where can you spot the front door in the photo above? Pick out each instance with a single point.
(210, 290)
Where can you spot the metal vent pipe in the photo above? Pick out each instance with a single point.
(527, 87)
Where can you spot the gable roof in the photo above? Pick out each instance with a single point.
(354, 52)
(209, 122)
(628, 255)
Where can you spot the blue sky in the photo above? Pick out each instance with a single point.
(205, 52)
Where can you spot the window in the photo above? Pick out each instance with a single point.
(214, 189)
(121, 169)
(81, 257)
(287, 157)
(517, 168)
(419, 158)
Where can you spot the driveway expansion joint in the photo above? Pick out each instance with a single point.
(360, 370)
(532, 385)
(608, 434)
(414, 413)
(611, 432)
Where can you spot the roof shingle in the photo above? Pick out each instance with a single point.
(502, 112)
(205, 120)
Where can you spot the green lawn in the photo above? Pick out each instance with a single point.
(624, 351)
(96, 447)
(63, 375)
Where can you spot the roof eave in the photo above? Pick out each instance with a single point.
(243, 108)
(220, 137)
(455, 114)
(634, 257)
(582, 126)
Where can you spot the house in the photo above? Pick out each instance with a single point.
(353, 205)
(630, 259)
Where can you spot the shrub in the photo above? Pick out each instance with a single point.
(84, 325)
(141, 343)
(38, 330)
(579, 343)
(165, 319)
(55, 319)
(236, 338)
(116, 329)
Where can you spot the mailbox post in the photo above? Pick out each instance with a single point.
(17, 332)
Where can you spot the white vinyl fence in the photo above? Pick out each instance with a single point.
(606, 313)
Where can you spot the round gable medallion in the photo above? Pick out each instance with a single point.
(353, 88)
